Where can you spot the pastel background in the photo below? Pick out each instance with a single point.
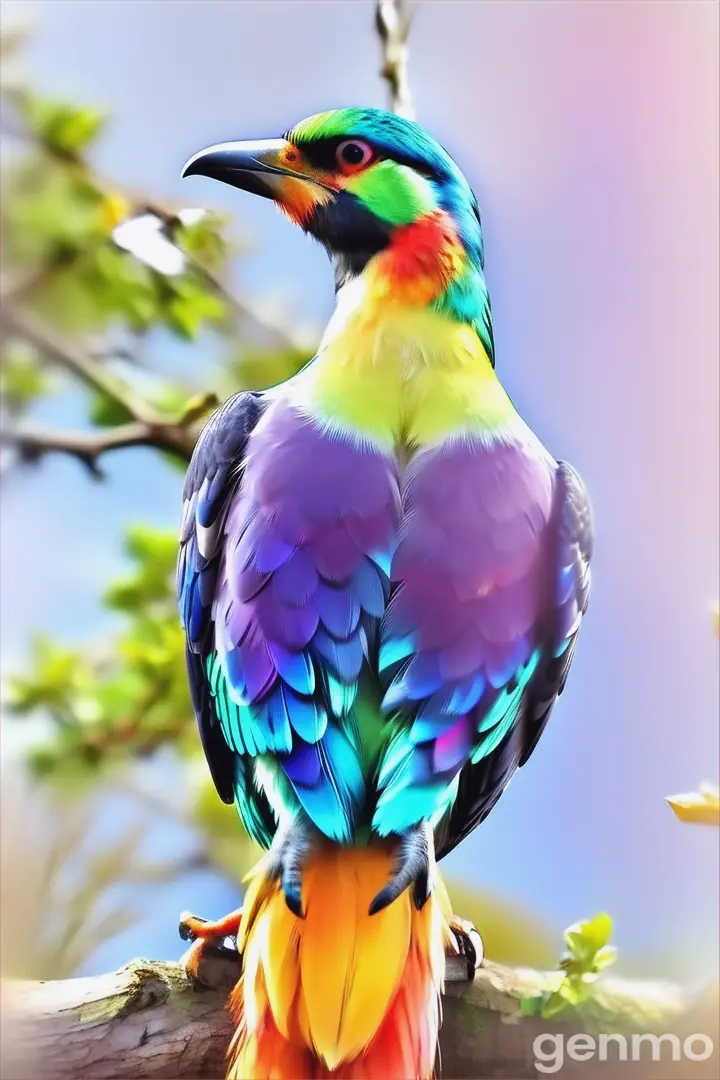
(590, 134)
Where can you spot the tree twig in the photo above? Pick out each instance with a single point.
(392, 19)
(149, 427)
(34, 443)
(82, 365)
(148, 1020)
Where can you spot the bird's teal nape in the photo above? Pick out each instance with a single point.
(382, 577)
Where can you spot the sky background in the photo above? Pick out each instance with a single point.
(589, 132)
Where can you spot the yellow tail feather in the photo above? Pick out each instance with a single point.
(340, 993)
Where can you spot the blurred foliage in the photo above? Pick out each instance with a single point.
(588, 953)
(64, 261)
(82, 260)
(511, 933)
(23, 378)
(52, 876)
(134, 697)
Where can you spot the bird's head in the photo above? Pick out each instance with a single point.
(358, 180)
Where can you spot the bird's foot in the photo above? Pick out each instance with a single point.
(287, 858)
(469, 944)
(414, 865)
(207, 938)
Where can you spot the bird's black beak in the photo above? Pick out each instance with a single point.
(273, 168)
(253, 166)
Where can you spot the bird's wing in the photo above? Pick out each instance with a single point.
(290, 609)
(481, 784)
(490, 580)
(211, 482)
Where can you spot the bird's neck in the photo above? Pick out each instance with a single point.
(403, 359)
(426, 267)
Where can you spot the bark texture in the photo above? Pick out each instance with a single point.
(149, 1021)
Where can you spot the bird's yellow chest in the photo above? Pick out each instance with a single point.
(403, 377)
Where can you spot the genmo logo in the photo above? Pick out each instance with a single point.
(551, 1051)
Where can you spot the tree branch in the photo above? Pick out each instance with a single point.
(149, 427)
(148, 1020)
(82, 365)
(34, 443)
(392, 19)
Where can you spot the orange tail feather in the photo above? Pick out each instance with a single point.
(340, 993)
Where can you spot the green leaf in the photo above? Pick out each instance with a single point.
(554, 1004)
(605, 957)
(203, 240)
(530, 1006)
(106, 411)
(50, 210)
(121, 285)
(584, 939)
(574, 991)
(63, 128)
(171, 399)
(192, 305)
(23, 378)
(154, 553)
(143, 543)
(58, 678)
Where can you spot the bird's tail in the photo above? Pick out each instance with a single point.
(339, 993)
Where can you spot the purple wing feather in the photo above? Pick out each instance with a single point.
(571, 545)
(299, 590)
(475, 604)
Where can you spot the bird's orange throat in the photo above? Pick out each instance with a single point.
(421, 260)
(339, 993)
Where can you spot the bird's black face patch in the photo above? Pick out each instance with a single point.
(350, 232)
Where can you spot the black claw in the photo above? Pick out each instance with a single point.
(411, 868)
(421, 889)
(294, 902)
(471, 950)
(184, 930)
(383, 898)
(287, 861)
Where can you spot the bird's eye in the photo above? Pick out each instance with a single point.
(353, 155)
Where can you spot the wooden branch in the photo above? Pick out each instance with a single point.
(392, 19)
(149, 427)
(148, 1020)
(81, 364)
(34, 443)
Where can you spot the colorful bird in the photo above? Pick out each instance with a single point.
(381, 578)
